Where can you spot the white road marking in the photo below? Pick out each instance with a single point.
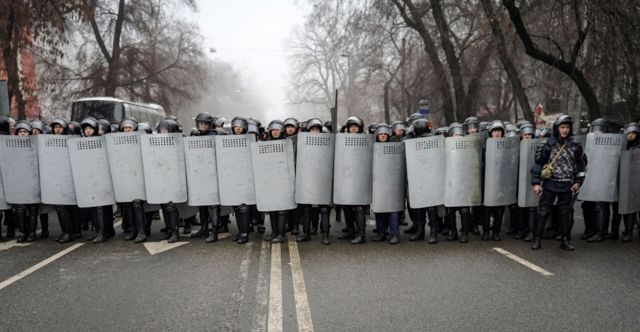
(244, 275)
(275, 290)
(39, 265)
(262, 291)
(524, 262)
(157, 247)
(13, 243)
(303, 312)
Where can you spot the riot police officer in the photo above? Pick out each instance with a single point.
(208, 214)
(278, 219)
(422, 128)
(457, 130)
(354, 214)
(239, 126)
(565, 160)
(596, 214)
(398, 131)
(60, 126)
(632, 132)
(101, 217)
(26, 214)
(170, 212)
(133, 211)
(39, 128)
(386, 221)
(471, 125)
(526, 216)
(492, 231)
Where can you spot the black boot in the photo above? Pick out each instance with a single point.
(627, 235)
(360, 226)
(465, 218)
(20, 216)
(600, 224)
(537, 243)
(273, 220)
(565, 244)
(32, 224)
(44, 226)
(282, 221)
(419, 235)
(98, 217)
(140, 221)
(486, 228)
(306, 225)
(453, 228)
(324, 224)
(243, 215)
(172, 226)
(205, 219)
(65, 224)
(433, 236)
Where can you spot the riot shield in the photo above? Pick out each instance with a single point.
(56, 180)
(3, 203)
(463, 176)
(314, 168)
(90, 170)
(19, 166)
(603, 158)
(202, 176)
(425, 171)
(526, 196)
(389, 176)
(125, 163)
(274, 175)
(164, 171)
(235, 174)
(501, 171)
(352, 171)
(629, 193)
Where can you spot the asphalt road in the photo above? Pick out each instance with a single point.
(412, 286)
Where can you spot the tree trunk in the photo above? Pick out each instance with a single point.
(505, 60)
(10, 56)
(466, 108)
(114, 65)
(452, 59)
(568, 68)
(413, 19)
(387, 112)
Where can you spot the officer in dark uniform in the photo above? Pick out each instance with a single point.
(60, 126)
(632, 131)
(239, 126)
(492, 231)
(526, 216)
(38, 128)
(386, 221)
(278, 219)
(422, 128)
(208, 214)
(26, 215)
(354, 214)
(566, 178)
(294, 218)
(455, 130)
(596, 214)
(134, 211)
(170, 210)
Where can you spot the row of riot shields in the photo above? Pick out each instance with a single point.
(343, 169)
